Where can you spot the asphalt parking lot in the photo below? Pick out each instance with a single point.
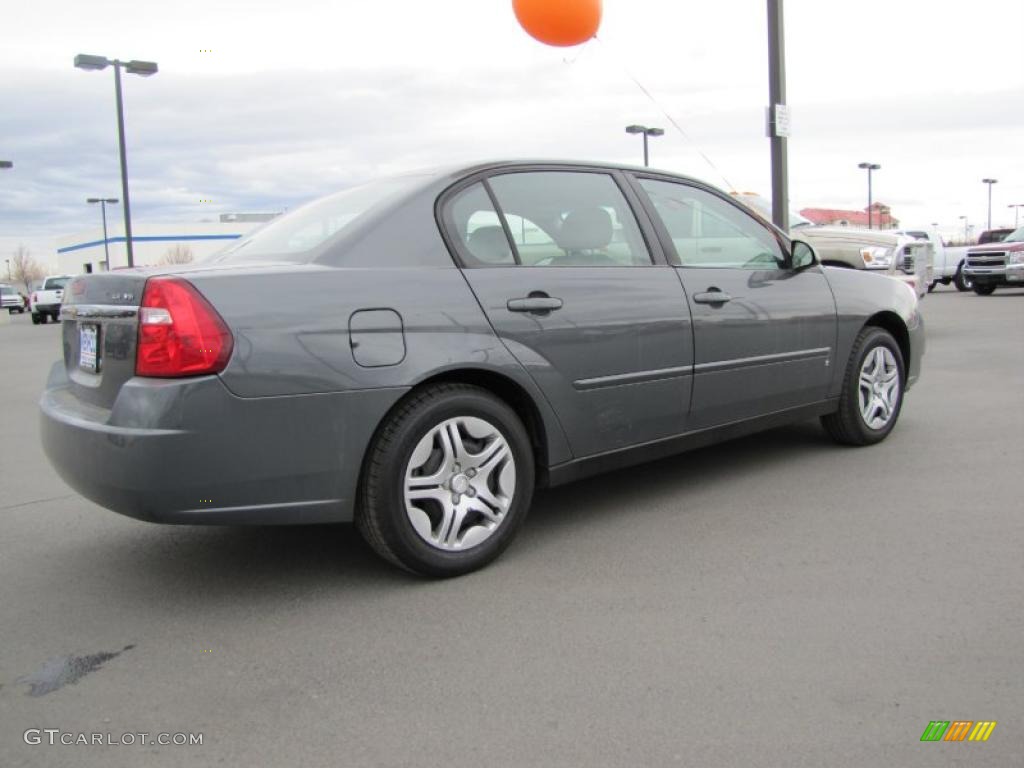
(777, 600)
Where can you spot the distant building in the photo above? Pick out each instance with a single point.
(881, 217)
(152, 243)
(249, 218)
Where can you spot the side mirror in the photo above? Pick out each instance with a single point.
(803, 255)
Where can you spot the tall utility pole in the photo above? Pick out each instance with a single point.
(1016, 214)
(778, 114)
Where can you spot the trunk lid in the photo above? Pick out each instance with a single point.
(100, 331)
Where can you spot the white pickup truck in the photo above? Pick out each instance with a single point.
(45, 302)
(947, 262)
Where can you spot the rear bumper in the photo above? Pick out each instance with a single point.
(915, 330)
(917, 283)
(189, 451)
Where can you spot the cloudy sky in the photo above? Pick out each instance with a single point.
(260, 105)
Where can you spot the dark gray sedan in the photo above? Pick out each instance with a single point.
(454, 339)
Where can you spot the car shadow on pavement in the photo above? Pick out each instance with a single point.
(587, 501)
(288, 562)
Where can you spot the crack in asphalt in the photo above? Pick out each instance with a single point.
(38, 501)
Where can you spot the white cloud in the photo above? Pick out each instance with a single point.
(298, 99)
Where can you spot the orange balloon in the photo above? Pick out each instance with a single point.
(559, 22)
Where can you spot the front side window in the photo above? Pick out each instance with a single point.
(709, 232)
(569, 219)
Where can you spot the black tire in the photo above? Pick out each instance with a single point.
(847, 425)
(984, 290)
(36, 319)
(931, 285)
(962, 281)
(382, 517)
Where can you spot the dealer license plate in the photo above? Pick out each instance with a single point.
(88, 356)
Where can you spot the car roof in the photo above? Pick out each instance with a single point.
(468, 169)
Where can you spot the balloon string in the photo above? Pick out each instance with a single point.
(579, 55)
(664, 111)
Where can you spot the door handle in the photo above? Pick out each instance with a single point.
(712, 296)
(536, 303)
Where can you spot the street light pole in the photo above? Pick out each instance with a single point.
(869, 167)
(133, 67)
(964, 220)
(103, 206)
(124, 170)
(1016, 214)
(643, 129)
(990, 182)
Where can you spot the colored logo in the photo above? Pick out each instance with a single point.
(958, 730)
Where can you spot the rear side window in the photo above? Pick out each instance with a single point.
(709, 232)
(569, 219)
(55, 283)
(478, 228)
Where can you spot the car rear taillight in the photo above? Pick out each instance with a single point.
(180, 334)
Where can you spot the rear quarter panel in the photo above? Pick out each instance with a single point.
(302, 345)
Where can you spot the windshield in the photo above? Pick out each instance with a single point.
(1017, 236)
(55, 283)
(312, 225)
(6, 290)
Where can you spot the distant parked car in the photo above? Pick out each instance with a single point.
(901, 256)
(46, 301)
(997, 264)
(11, 300)
(463, 335)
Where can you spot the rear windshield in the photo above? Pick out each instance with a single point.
(55, 283)
(300, 234)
